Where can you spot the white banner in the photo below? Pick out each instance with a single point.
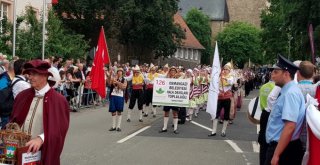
(171, 92)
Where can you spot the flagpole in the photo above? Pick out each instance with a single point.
(14, 29)
(43, 27)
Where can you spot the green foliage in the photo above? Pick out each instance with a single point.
(140, 25)
(149, 24)
(199, 24)
(5, 37)
(29, 39)
(240, 41)
(285, 28)
(59, 42)
(62, 42)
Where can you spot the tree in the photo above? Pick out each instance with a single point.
(5, 36)
(59, 41)
(64, 42)
(140, 25)
(199, 24)
(148, 25)
(285, 27)
(240, 42)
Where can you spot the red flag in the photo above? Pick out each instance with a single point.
(54, 1)
(100, 59)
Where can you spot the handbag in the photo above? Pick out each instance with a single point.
(223, 95)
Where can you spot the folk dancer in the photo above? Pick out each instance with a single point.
(226, 82)
(118, 87)
(150, 77)
(137, 92)
(172, 74)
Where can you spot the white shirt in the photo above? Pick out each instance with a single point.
(42, 92)
(20, 85)
(272, 97)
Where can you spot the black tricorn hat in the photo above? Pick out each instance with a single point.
(285, 64)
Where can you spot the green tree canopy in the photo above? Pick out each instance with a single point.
(59, 41)
(199, 24)
(139, 25)
(240, 42)
(285, 28)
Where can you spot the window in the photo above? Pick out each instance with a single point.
(196, 55)
(191, 54)
(186, 53)
(181, 52)
(176, 54)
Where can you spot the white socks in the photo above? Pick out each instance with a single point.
(225, 124)
(129, 113)
(154, 110)
(175, 124)
(119, 121)
(114, 118)
(140, 114)
(165, 123)
(214, 126)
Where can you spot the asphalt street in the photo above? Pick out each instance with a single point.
(89, 141)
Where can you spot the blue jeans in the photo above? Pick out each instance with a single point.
(4, 121)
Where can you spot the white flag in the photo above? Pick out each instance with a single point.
(214, 85)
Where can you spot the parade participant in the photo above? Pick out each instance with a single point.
(43, 113)
(196, 90)
(165, 69)
(150, 77)
(263, 96)
(286, 118)
(171, 74)
(118, 86)
(137, 92)
(192, 102)
(224, 101)
(203, 81)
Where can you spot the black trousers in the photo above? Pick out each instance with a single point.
(148, 96)
(262, 136)
(225, 104)
(137, 94)
(292, 155)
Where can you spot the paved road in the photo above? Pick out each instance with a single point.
(89, 141)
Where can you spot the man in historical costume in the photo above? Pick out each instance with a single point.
(171, 74)
(286, 118)
(43, 113)
(118, 87)
(224, 100)
(150, 77)
(137, 92)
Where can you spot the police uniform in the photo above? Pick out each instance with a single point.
(289, 107)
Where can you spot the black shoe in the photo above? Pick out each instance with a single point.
(223, 134)
(128, 120)
(145, 115)
(161, 131)
(175, 132)
(212, 134)
(154, 116)
(230, 122)
(112, 129)
(220, 121)
(118, 129)
(140, 120)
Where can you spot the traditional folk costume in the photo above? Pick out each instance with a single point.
(137, 92)
(192, 102)
(150, 77)
(196, 91)
(204, 83)
(117, 90)
(172, 74)
(224, 100)
(43, 113)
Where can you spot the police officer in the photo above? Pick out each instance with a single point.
(286, 118)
